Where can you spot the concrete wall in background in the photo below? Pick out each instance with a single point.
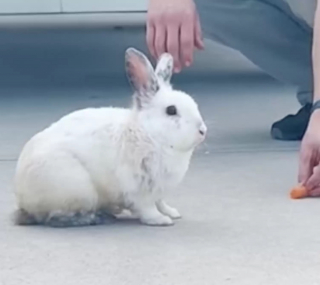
(103, 5)
(29, 6)
(95, 57)
(70, 6)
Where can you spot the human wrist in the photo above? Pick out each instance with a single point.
(314, 117)
(315, 105)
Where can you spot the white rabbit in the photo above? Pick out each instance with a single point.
(94, 163)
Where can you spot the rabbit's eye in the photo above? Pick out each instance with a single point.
(171, 110)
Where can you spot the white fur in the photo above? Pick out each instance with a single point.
(112, 158)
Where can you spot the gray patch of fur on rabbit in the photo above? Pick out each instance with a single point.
(23, 218)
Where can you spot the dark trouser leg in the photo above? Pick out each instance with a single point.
(273, 38)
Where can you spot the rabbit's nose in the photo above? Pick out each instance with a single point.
(203, 130)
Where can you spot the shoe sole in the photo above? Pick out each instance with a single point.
(278, 135)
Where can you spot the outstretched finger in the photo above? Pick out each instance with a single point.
(305, 164)
(173, 45)
(314, 181)
(150, 35)
(160, 40)
(198, 33)
(187, 41)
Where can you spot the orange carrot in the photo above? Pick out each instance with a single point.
(299, 192)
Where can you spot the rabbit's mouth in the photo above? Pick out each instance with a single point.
(184, 148)
(201, 139)
(196, 143)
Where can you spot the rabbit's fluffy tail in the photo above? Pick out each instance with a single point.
(23, 218)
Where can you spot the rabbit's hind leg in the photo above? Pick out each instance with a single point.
(64, 220)
(56, 190)
(79, 219)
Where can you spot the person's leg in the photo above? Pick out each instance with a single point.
(273, 38)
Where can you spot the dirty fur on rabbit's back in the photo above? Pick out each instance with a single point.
(94, 163)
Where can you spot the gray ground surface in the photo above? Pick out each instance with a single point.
(239, 226)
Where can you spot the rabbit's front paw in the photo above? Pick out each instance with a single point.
(152, 217)
(160, 220)
(165, 209)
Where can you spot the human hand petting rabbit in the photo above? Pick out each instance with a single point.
(94, 163)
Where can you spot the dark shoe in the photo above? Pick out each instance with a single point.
(292, 127)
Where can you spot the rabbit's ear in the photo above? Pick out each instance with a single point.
(165, 67)
(141, 77)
